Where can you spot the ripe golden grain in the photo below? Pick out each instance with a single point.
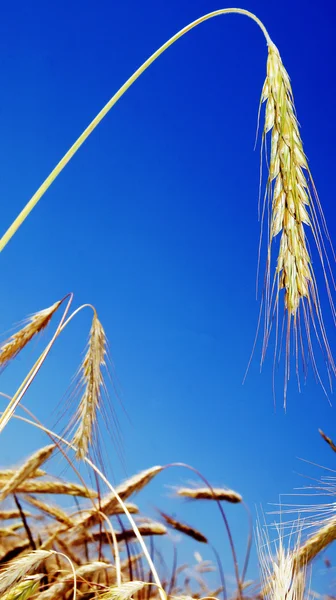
(206, 494)
(184, 528)
(55, 487)
(109, 504)
(125, 591)
(53, 511)
(36, 323)
(315, 544)
(65, 583)
(91, 379)
(27, 469)
(292, 212)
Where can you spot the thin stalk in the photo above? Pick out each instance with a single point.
(78, 143)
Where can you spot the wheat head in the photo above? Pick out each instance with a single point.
(292, 212)
(38, 321)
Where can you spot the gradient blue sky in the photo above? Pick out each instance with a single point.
(155, 223)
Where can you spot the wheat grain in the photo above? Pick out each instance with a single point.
(27, 469)
(65, 583)
(55, 487)
(292, 210)
(124, 591)
(38, 321)
(53, 511)
(110, 505)
(23, 590)
(20, 567)
(315, 544)
(12, 514)
(207, 494)
(184, 528)
(91, 379)
(9, 473)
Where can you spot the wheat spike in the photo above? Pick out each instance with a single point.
(91, 379)
(53, 511)
(150, 528)
(110, 505)
(38, 321)
(315, 544)
(12, 514)
(184, 528)
(55, 487)
(292, 211)
(207, 494)
(328, 440)
(9, 473)
(125, 591)
(23, 590)
(65, 583)
(20, 567)
(27, 469)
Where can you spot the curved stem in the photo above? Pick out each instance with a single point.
(70, 153)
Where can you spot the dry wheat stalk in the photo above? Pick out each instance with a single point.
(65, 583)
(125, 591)
(92, 381)
(27, 469)
(38, 321)
(53, 511)
(292, 209)
(207, 494)
(184, 528)
(23, 590)
(109, 504)
(55, 487)
(20, 567)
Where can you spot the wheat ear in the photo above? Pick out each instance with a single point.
(61, 586)
(184, 528)
(52, 511)
(36, 323)
(110, 504)
(23, 590)
(20, 567)
(292, 212)
(27, 469)
(125, 591)
(55, 487)
(91, 379)
(207, 494)
(315, 544)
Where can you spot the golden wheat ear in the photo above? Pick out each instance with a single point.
(91, 384)
(294, 210)
(35, 323)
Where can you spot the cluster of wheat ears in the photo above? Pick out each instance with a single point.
(91, 543)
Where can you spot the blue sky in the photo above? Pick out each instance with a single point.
(155, 223)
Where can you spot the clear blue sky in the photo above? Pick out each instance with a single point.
(155, 223)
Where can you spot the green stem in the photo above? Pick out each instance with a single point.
(66, 158)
